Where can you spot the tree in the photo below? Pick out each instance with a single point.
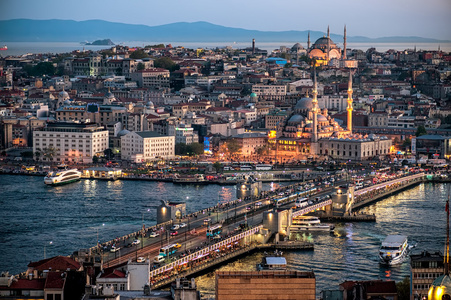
(421, 131)
(138, 54)
(180, 149)
(218, 166)
(403, 288)
(50, 153)
(196, 148)
(95, 159)
(140, 66)
(407, 142)
(38, 153)
(165, 63)
(233, 146)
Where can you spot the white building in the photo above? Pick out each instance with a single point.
(333, 102)
(185, 135)
(146, 145)
(270, 92)
(131, 277)
(70, 142)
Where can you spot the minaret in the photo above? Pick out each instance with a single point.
(308, 40)
(328, 44)
(315, 108)
(344, 45)
(253, 46)
(349, 108)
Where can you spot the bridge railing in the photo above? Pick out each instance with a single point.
(384, 184)
(310, 208)
(204, 252)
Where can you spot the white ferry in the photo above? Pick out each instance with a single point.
(62, 176)
(190, 179)
(309, 223)
(272, 263)
(393, 249)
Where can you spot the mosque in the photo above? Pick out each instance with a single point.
(311, 132)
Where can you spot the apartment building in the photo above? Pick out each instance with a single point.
(270, 92)
(154, 78)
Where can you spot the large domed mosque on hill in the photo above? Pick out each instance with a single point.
(310, 131)
(324, 49)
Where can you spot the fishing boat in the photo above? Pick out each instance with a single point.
(62, 176)
(4, 47)
(393, 249)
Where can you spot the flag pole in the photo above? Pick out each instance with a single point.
(447, 237)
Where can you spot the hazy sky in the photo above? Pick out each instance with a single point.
(425, 18)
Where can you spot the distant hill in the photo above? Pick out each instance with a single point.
(26, 30)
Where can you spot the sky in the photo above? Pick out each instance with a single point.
(424, 18)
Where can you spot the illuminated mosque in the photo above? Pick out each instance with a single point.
(312, 132)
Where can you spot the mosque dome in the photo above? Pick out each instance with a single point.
(296, 119)
(109, 95)
(304, 103)
(321, 118)
(253, 95)
(150, 104)
(122, 132)
(297, 47)
(322, 42)
(67, 102)
(440, 287)
(63, 94)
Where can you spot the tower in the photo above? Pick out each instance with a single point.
(328, 44)
(349, 108)
(308, 41)
(315, 108)
(344, 45)
(253, 46)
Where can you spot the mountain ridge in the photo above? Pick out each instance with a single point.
(57, 30)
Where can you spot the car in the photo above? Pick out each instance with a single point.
(154, 234)
(182, 225)
(177, 245)
(115, 249)
(207, 221)
(158, 259)
(175, 227)
(258, 204)
(174, 233)
(248, 208)
(136, 242)
(140, 259)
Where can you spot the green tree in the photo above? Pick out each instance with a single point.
(138, 54)
(421, 131)
(50, 152)
(403, 288)
(140, 66)
(181, 149)
(196, 148)
(155, 46)
(38, 153)
(233, 146)
(218, 166)
(407, 142)
(165, 63)
(95, 159)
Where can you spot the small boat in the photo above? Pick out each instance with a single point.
(272, 263)
(309, 223)
(393, 249)
(62, 176)
(4, 47)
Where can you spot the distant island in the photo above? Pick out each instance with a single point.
(105, 42)
(26, 30)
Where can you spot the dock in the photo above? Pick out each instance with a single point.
(350, 218)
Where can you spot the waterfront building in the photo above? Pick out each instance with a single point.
(261, 285)
(131, 277)
(70, 142)
(432, 146)
(425, 267)
(249, 142)
(146, 145)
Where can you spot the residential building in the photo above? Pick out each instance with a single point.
(274, 118)
(152, 78)
(425, 267)
(251, 141)
(70, 142)
(378, 119)
(270, 92)
(185, 135)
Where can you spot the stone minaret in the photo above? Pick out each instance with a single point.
(328, 43)
(315, 108)
(349, 108)
(344, 45)
(253, 46)
(308, 41)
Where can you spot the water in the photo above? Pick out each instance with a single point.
(20, 48)
(70, 216)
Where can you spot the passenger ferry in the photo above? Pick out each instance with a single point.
(272, 263)
(393, 249)
(62, 176)
(309, 223)
(190, 179)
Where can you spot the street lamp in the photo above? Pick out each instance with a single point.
(98, 241)
(45, 245)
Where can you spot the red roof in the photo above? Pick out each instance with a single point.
(26, 284)
(55, 263)
(113, 274)
(55, 280)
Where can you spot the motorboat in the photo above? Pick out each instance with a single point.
(62, 176)
(393, 249)
(309, 223)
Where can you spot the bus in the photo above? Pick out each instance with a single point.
(246, 168)
(263, 167)
(168, 250)
(303, 202)
(214, 230)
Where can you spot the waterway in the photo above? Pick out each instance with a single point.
(32, 215)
